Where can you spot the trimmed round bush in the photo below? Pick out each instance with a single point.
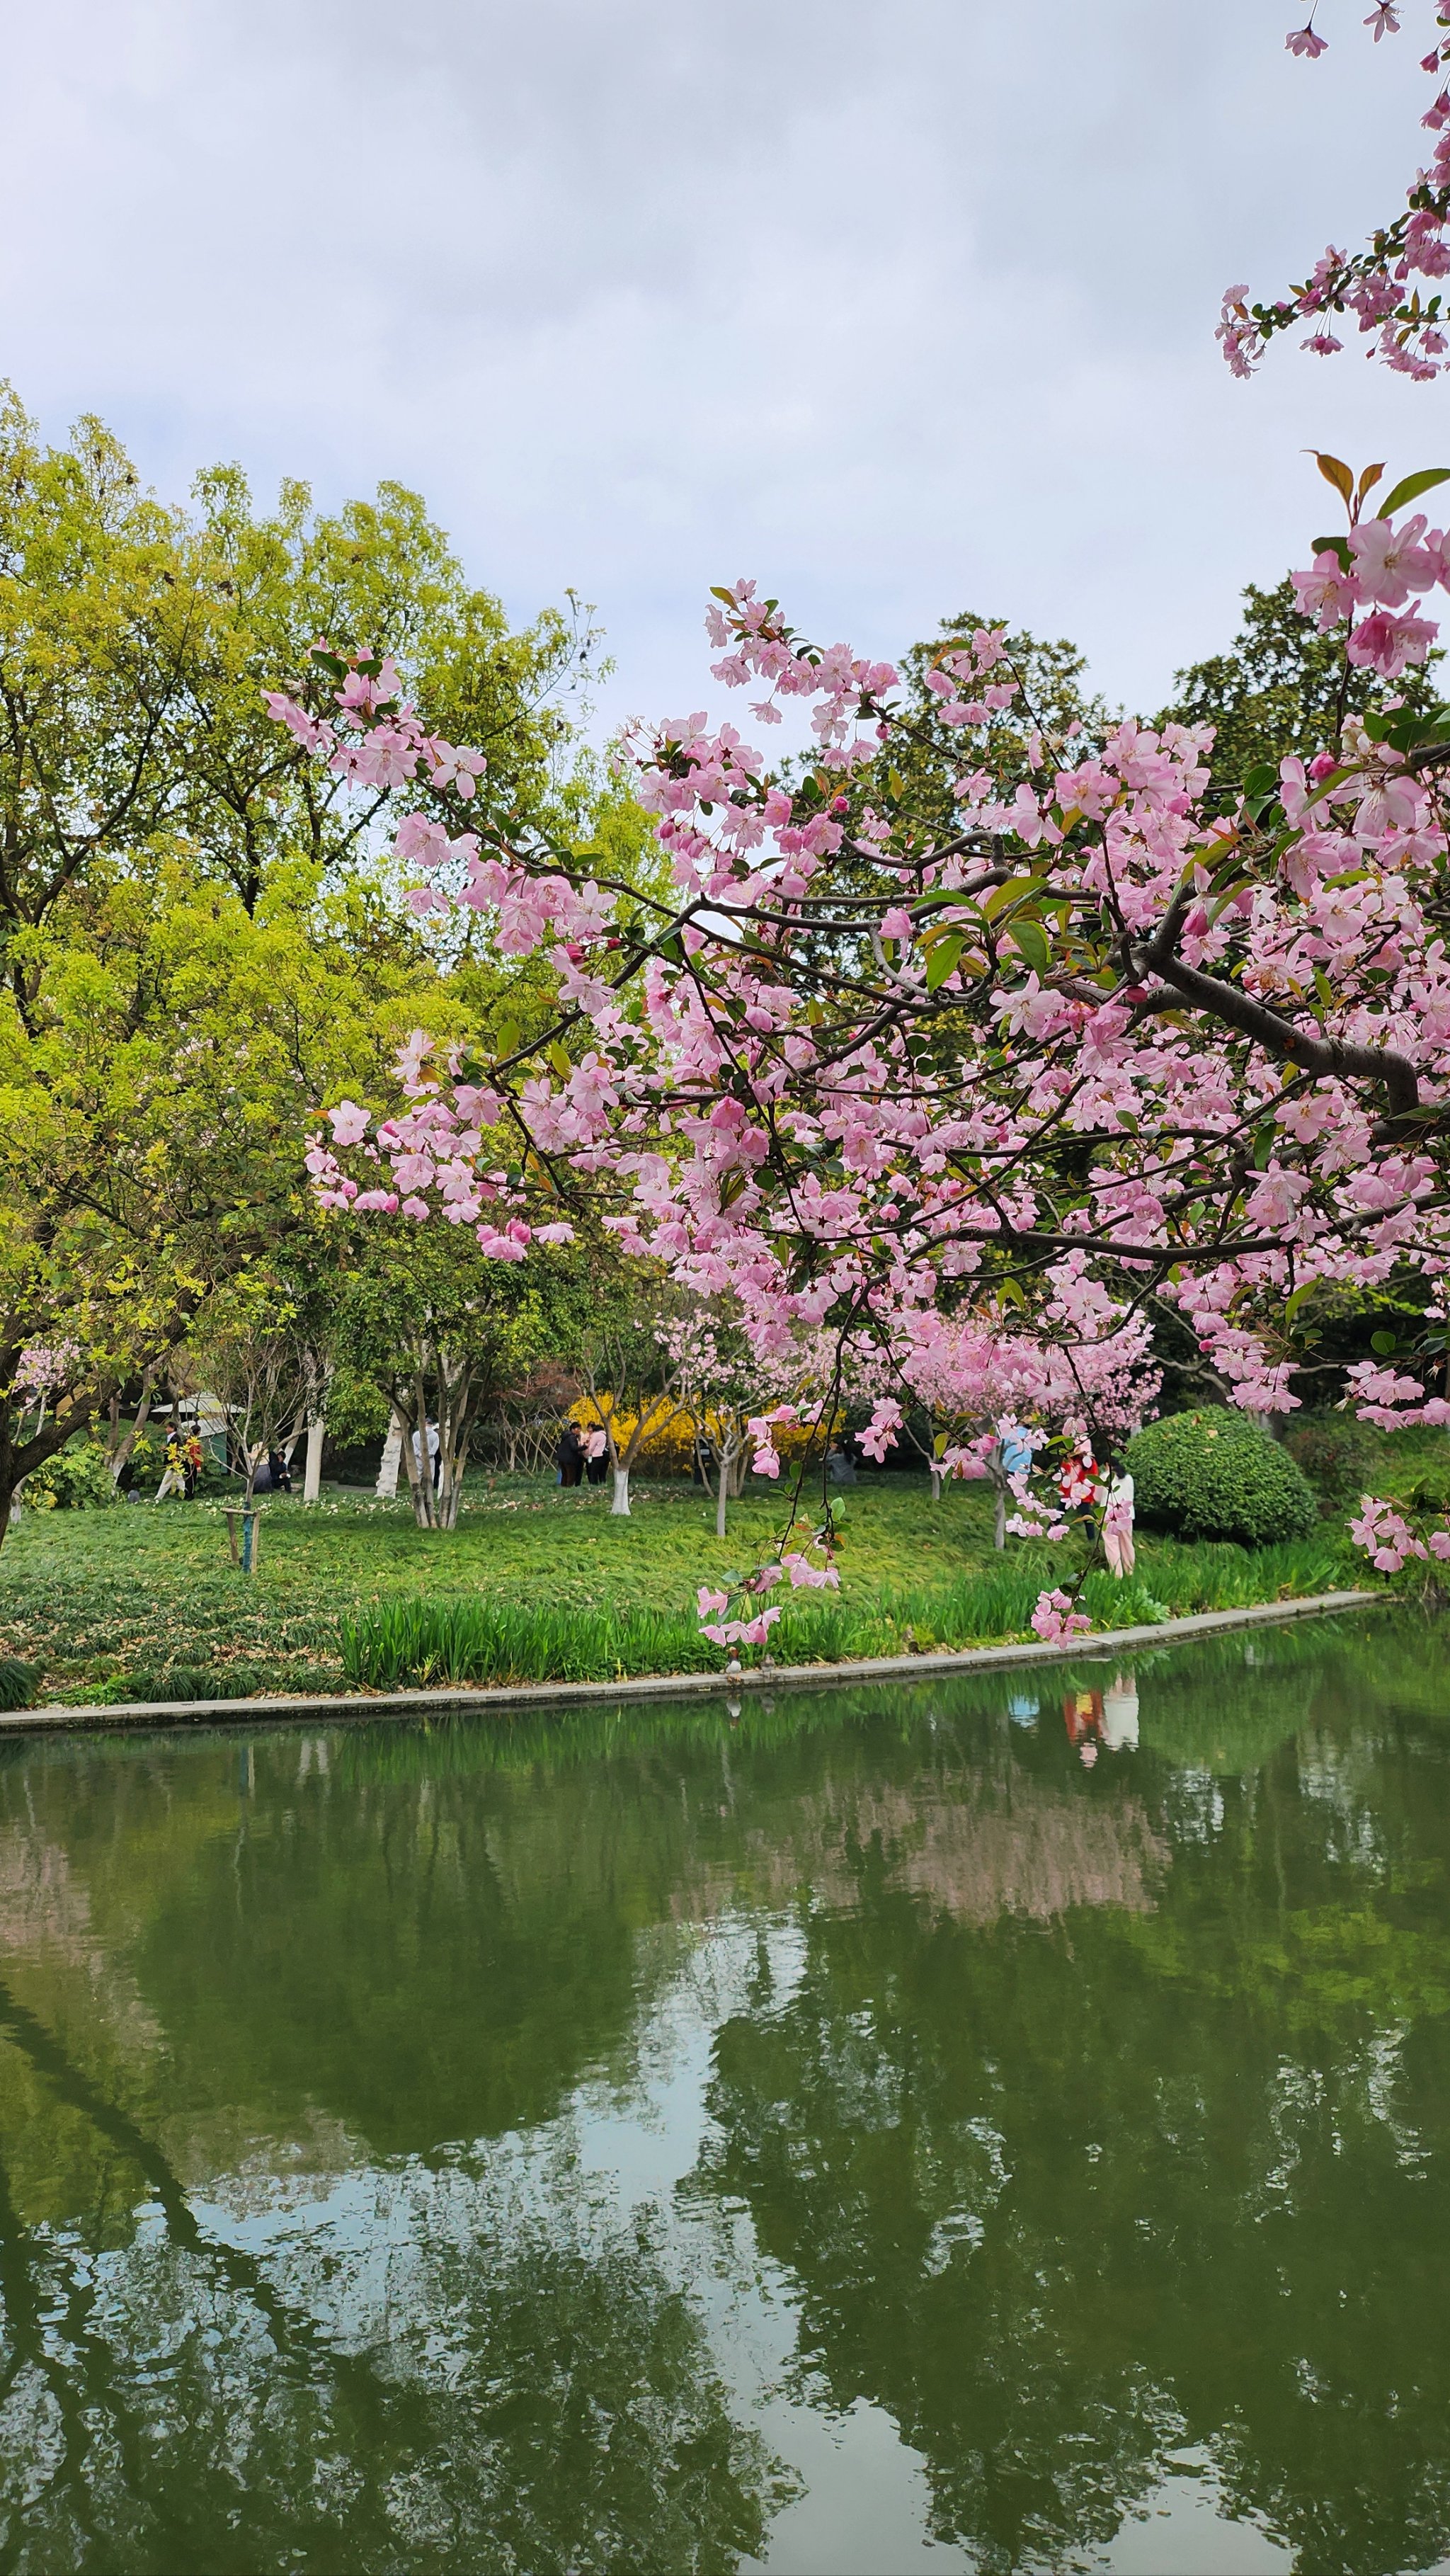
(1215, 1474)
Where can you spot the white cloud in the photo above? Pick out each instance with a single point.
(898, 309)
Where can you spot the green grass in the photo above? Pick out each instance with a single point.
(142, 1602)
(406, 1643)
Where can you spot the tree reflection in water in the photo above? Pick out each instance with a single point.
(1102, 2112)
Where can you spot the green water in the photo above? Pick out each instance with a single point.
(863, 2135)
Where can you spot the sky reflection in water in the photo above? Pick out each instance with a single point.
(869, 2135)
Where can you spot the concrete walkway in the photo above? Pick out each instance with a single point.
(486, 1697)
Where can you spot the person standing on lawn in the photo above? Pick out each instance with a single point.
(174, 1479)
(596, 1454)
(193, 1459)
(1118, 1526)
(570, 1455)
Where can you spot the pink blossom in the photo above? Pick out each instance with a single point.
(1303, 40)
(1390, 562)
(1390, 644)
(1385, 1536)
(349, 1123)
(1327, 593)
(816, 1578)
(880, 1432)
(1055, 1620)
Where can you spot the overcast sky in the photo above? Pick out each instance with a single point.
(900, 308)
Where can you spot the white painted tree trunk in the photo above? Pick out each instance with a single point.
(999, 1531)
(621, 1493)
(386, 1488)
(312, 1478)
(936, 1477)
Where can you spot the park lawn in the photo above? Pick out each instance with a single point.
(142, 1601)
(96, 1598)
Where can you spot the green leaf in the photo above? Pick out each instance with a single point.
(1262, 779)
(1411, 488)
(1385, 1343)
(941, 957)
(505, 1036)
(1016, 890)
(1032, 944)
(1368, 479)
(1335, 471)
(1297, 1300)
(1333, 546)
(1264, 1145)
(1407, 729)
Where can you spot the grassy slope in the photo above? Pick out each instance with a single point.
(110, 1602)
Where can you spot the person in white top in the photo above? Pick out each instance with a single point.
(1118, 1527)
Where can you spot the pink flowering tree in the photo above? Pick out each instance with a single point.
(730, 1379)
(1201, 1060)
(1379, 286)
(1010, 1399)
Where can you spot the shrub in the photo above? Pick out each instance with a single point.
(1215, 1474)
(75, 1479)
(1336, 1453)
(670, 1450)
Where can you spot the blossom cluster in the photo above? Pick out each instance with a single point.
(1388, 1539)
(1411, 332)
(753, 1626)
(1363, 581)
(45, 1366)
(1056, 1621)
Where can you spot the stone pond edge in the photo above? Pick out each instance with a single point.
(365, 1705)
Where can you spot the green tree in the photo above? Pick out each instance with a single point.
(1281, 688)
(137, 644)
(201, 938)
(155, 1091)
(918, 777)
(440, 1329)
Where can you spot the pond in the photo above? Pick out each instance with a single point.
(997, 2124)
